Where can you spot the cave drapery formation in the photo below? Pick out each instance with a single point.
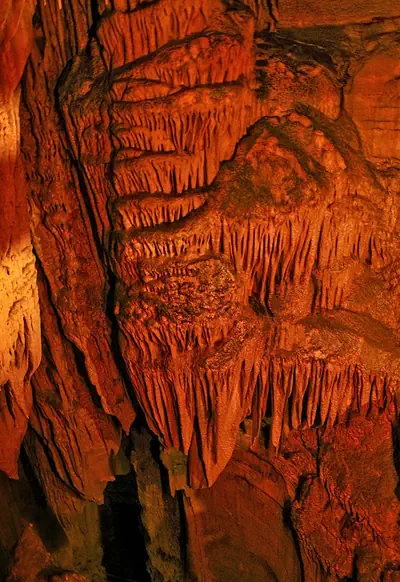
(199, 290)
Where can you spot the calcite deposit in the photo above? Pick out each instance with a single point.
(211, 189)
(19, 304)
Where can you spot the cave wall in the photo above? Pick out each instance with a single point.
(19, 309)
(203, 200)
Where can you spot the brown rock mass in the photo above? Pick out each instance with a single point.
(210, 191)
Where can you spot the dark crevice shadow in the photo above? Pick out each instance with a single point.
(49, 529)
(396, 455)
(116, 347)
(123, 538)
(95, 17)
(183, 534)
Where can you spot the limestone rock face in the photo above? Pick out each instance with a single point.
(19, 304)
(294, 13)
(213, 194)
(373, 102)
(32, 563)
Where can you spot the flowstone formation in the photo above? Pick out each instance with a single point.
(213, 189)
(236, 281)
(19, 305)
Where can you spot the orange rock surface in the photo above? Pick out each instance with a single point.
(19, 305)
(213, 195)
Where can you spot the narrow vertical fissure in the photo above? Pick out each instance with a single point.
(183, 534)
(396, 455)
(125, 556)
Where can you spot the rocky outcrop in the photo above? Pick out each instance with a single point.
(32, 563)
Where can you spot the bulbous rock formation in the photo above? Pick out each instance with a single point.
(213, 191)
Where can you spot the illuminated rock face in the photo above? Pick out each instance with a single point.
(214, 196)
(19, 305)
(235, 281)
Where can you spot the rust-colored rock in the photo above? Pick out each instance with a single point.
(294, 13)
(30, 558)
(213, 192)
(32, 563)
(373, 102)
(243, 540)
